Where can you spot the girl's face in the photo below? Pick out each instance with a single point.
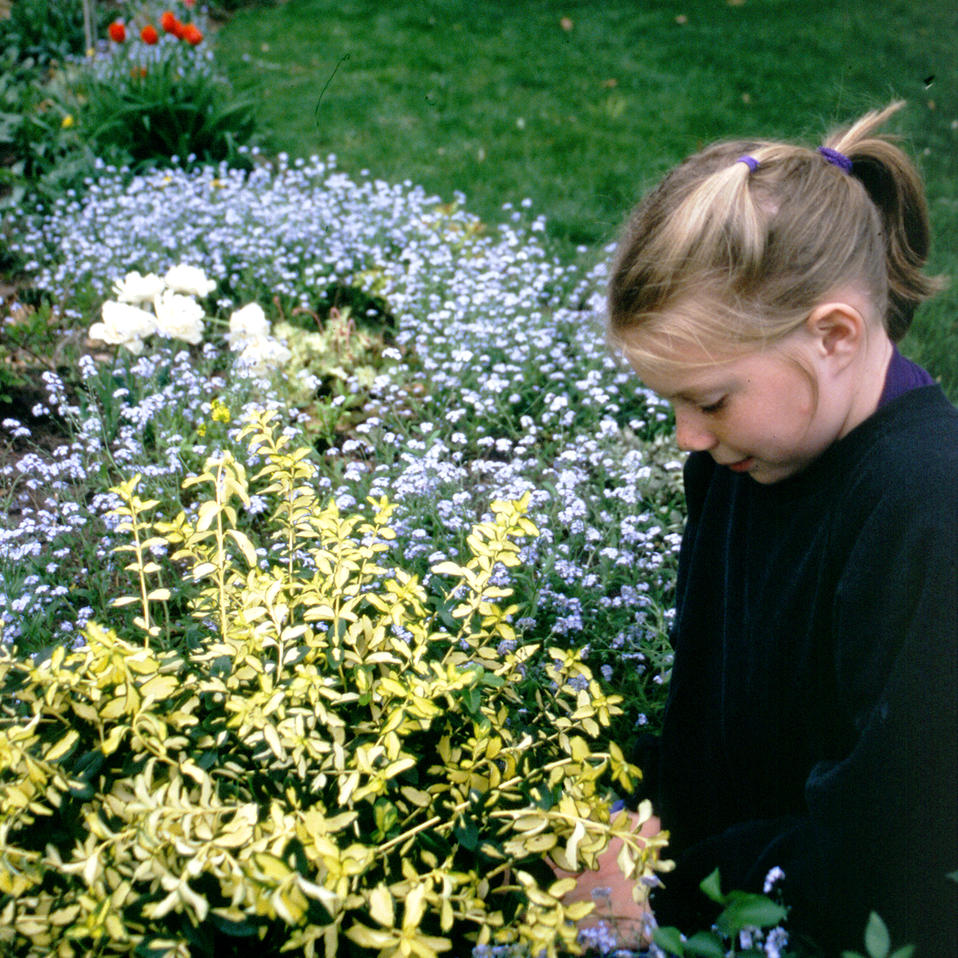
(763, 413)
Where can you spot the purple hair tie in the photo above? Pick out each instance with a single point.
(749, 161)
(836, 158)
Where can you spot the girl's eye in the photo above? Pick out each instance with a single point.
(713, 407)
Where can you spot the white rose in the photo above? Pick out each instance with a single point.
(188, 279)
(261, 355)
(124, 325)
(136, 289)
(179, 317)
(247, 324)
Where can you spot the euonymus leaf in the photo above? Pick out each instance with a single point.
(301, 755)
(467, 835)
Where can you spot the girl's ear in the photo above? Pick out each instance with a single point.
(838, 330)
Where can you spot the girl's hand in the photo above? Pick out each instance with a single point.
(612, 893)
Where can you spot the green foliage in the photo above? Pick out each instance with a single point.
(878, 942)
(39, 147)
(225, 7)
(147, 104)
(332, 366)
(28, 340)
(44, 30)
(297, 754)
(740, 910)
(136, 105)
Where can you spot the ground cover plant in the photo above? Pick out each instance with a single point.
(490, 379)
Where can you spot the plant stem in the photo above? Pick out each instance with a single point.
(220, 549)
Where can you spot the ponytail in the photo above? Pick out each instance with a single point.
(894, 186)
(740, 241)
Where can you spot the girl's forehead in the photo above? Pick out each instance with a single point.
(673, 368)
(690, 340)
(692, 383)
(701, 377)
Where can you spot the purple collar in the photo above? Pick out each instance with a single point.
(903, 375)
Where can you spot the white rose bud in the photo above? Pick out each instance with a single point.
(124, 325)
(247, 324)
(179, 317)
(136, 289)
(188, 279)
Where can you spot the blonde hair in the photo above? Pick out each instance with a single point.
(725, 258)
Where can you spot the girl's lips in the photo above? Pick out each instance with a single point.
(743, 465)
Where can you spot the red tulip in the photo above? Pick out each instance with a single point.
(116, 31)
(149, 35)
(169, 23)
(192, 34)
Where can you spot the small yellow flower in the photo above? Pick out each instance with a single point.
(201, 429)
(67, 122)
(219, 411)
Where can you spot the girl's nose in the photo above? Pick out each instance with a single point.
(691, 431)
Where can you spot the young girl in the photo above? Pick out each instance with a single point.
(812, 721)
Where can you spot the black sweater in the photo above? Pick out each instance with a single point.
(812, 720)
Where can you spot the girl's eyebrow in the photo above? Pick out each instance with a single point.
(700, 394)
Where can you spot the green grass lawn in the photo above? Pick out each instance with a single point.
(581, 105)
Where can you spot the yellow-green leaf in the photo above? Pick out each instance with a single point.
(381, 906)
(415, 907)
(273, 741)
(160, 687)
(207, 513)
(579, 748)
(538, 844)
(61, 748)
(112, 741)
(246, 547)
(367, 937)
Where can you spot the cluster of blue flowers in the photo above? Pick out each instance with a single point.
(498, 383)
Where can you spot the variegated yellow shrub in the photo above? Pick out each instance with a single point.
(332, 768)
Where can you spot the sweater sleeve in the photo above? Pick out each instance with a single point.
(880, 830)
(645, 749)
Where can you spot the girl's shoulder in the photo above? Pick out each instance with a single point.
(912, 442)
(903, 475)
